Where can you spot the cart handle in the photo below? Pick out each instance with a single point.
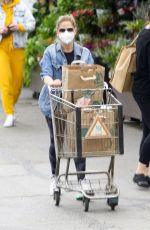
(53, 88)
(49, 88)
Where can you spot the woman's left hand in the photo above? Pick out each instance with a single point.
(57, 83)
(13, 27)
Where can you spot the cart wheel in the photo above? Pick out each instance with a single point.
(57, 198)
(112, 202)
(86, 202)
(59, 191)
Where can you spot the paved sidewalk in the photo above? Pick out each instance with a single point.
(24, 180)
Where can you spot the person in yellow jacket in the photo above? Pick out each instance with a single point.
(16, 21)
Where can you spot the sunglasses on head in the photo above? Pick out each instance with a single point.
(62, 30)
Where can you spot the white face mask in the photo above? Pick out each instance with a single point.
(66, 37)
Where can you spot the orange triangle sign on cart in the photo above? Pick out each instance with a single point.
(98, 129)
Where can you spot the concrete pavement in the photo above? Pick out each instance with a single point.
(24, 180)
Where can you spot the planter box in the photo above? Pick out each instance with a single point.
(130, 107)
(36, 82)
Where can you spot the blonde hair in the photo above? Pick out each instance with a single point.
(64, 18)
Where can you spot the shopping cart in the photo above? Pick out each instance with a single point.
(92, 131)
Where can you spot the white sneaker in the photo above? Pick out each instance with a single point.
(52, 186)
(85, 185)
(9, 122)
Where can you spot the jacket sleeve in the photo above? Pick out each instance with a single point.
(87, 56)
(46, 65)
(29, 22)
(90, 59)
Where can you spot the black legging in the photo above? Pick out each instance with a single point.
(80, 163)
(145, 143)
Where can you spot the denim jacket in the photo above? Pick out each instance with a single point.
(21, 14)
(51, 65)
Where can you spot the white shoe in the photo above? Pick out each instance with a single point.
(85, 185)
(9, 122)
(52, 186)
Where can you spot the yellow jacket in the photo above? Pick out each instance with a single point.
(19, 13)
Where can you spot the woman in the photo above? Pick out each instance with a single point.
(141, 93)
(62, 52)
(16, 21)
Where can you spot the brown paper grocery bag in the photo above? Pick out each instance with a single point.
(95, 96)
(95, 146)
(77, 77)
(99, 145)
(125, 68)
(82, 76)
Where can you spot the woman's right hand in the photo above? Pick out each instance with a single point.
(52, 83)
(48, 81)
(57, 83)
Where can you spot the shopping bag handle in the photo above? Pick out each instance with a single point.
(88, 78)
(78, 62)
(134, 40)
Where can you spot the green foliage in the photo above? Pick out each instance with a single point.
(33, 52)
(39, 12)
(105, 19)
(82, 11)
(134, 26)
(102, 4)
(110, 53)
(46, 29)
(86, 21)
(36, 45)
(141, 11)
(68, 6)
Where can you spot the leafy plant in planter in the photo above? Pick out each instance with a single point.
(86, 19)
(110, 52)
(139, 20)
(46, 29)
(83, 12)
(39, 11)
(133, 27)
(105, 19)
(35, 48)
(141, 10)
